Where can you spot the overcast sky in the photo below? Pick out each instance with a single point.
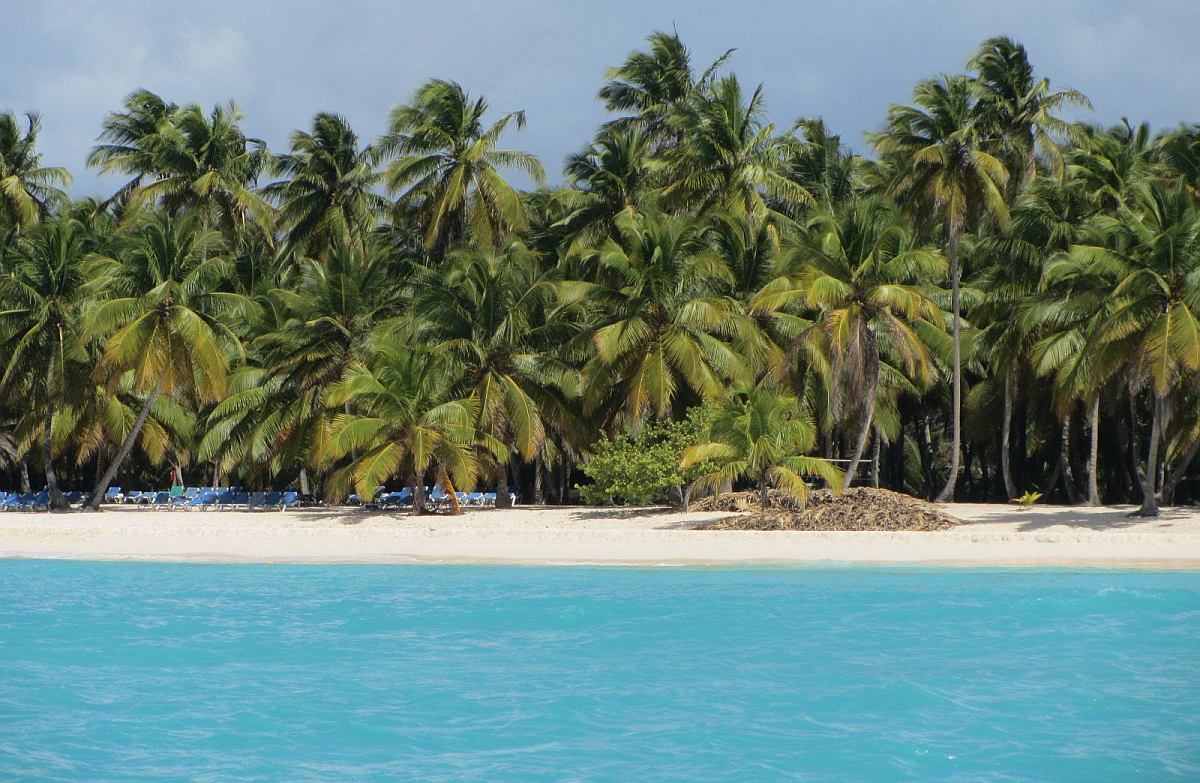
(72, 61)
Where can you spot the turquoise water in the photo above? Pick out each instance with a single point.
(444, 673)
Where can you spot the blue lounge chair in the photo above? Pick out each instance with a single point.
(272, 499)
(475, 498)
(203, 500)
(437, 497)
(289, 500)
(257, 501)
(34, 502)
(113, 495)
(161, 500)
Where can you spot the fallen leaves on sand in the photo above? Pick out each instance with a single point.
(859, 508)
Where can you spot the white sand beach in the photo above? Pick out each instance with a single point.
(994, 535)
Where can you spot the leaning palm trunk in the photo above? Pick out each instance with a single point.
(1010, 486)
(864, 431)
(1094, 454)
(876, 444)
(1149, 499)
(947, 493)
(1177, 473)
(56, 498)
(126, 447)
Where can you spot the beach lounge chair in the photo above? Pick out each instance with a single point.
(10, 501)
(34, 502)
(161, 500)
(204, 499)
(232, 500)
(475, 498)
(272, 500)
(437, 497)
(257, 501)
(289, 500)
(113, 495)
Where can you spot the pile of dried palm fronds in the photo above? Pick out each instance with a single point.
(859, 508)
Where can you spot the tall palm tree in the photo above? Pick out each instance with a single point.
(760, 434)
(132, 139)
(446, 167)
(190, 160)
(1020, 109)
(40, 308)
(1152, 253)
(275, 415)
(328, 194)
(162, 313)
(611, 175)
(654, 85)
(862, 272)
(945, 171)
(407, 422)
(729, 157)
(665, 326)
(494, 315)
(28, 190)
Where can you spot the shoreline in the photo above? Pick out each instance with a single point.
(992, 536)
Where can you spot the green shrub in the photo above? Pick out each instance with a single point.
(642, 466)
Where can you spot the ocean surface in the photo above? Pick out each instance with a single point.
(163, 672)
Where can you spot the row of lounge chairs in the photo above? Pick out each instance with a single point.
(192, 499)
(436, 497)
(38, 501)
(207, 499)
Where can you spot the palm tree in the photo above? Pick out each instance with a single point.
(654, 85)
(945, 170)
(729, 157)
(493, 315)
(161, 311)
(665, 326)
(275, 414)
(407, 422)
(133, 139)
(862, 272)
(191, 160)
(761, 434)
(611, 175)
(41, 304)
(328, 195)
(446, 167)
(28, 190)
(1020, 110)
(1152, 252)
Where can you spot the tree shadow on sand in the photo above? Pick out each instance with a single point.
(1083, 517)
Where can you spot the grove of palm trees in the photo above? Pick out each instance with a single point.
(989, 299)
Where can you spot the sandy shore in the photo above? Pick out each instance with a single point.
(994, 535)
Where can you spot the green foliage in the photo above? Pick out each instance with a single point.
(1029, 498)
(643, 466)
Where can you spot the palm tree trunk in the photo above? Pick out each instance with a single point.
(764, 491)
(126, 447)
(503, 499)
(1149, 499)
(448, 486)
(1010, 486)
(1135, 446)
(305, 488)
(1176, 475)
(1094, 454)
(870, 389)
(947, 493)
(875, 447)
(57, 503)
(26, 487)
(418, 494)
(1064, 459)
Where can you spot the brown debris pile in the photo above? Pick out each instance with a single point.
(858, 508)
